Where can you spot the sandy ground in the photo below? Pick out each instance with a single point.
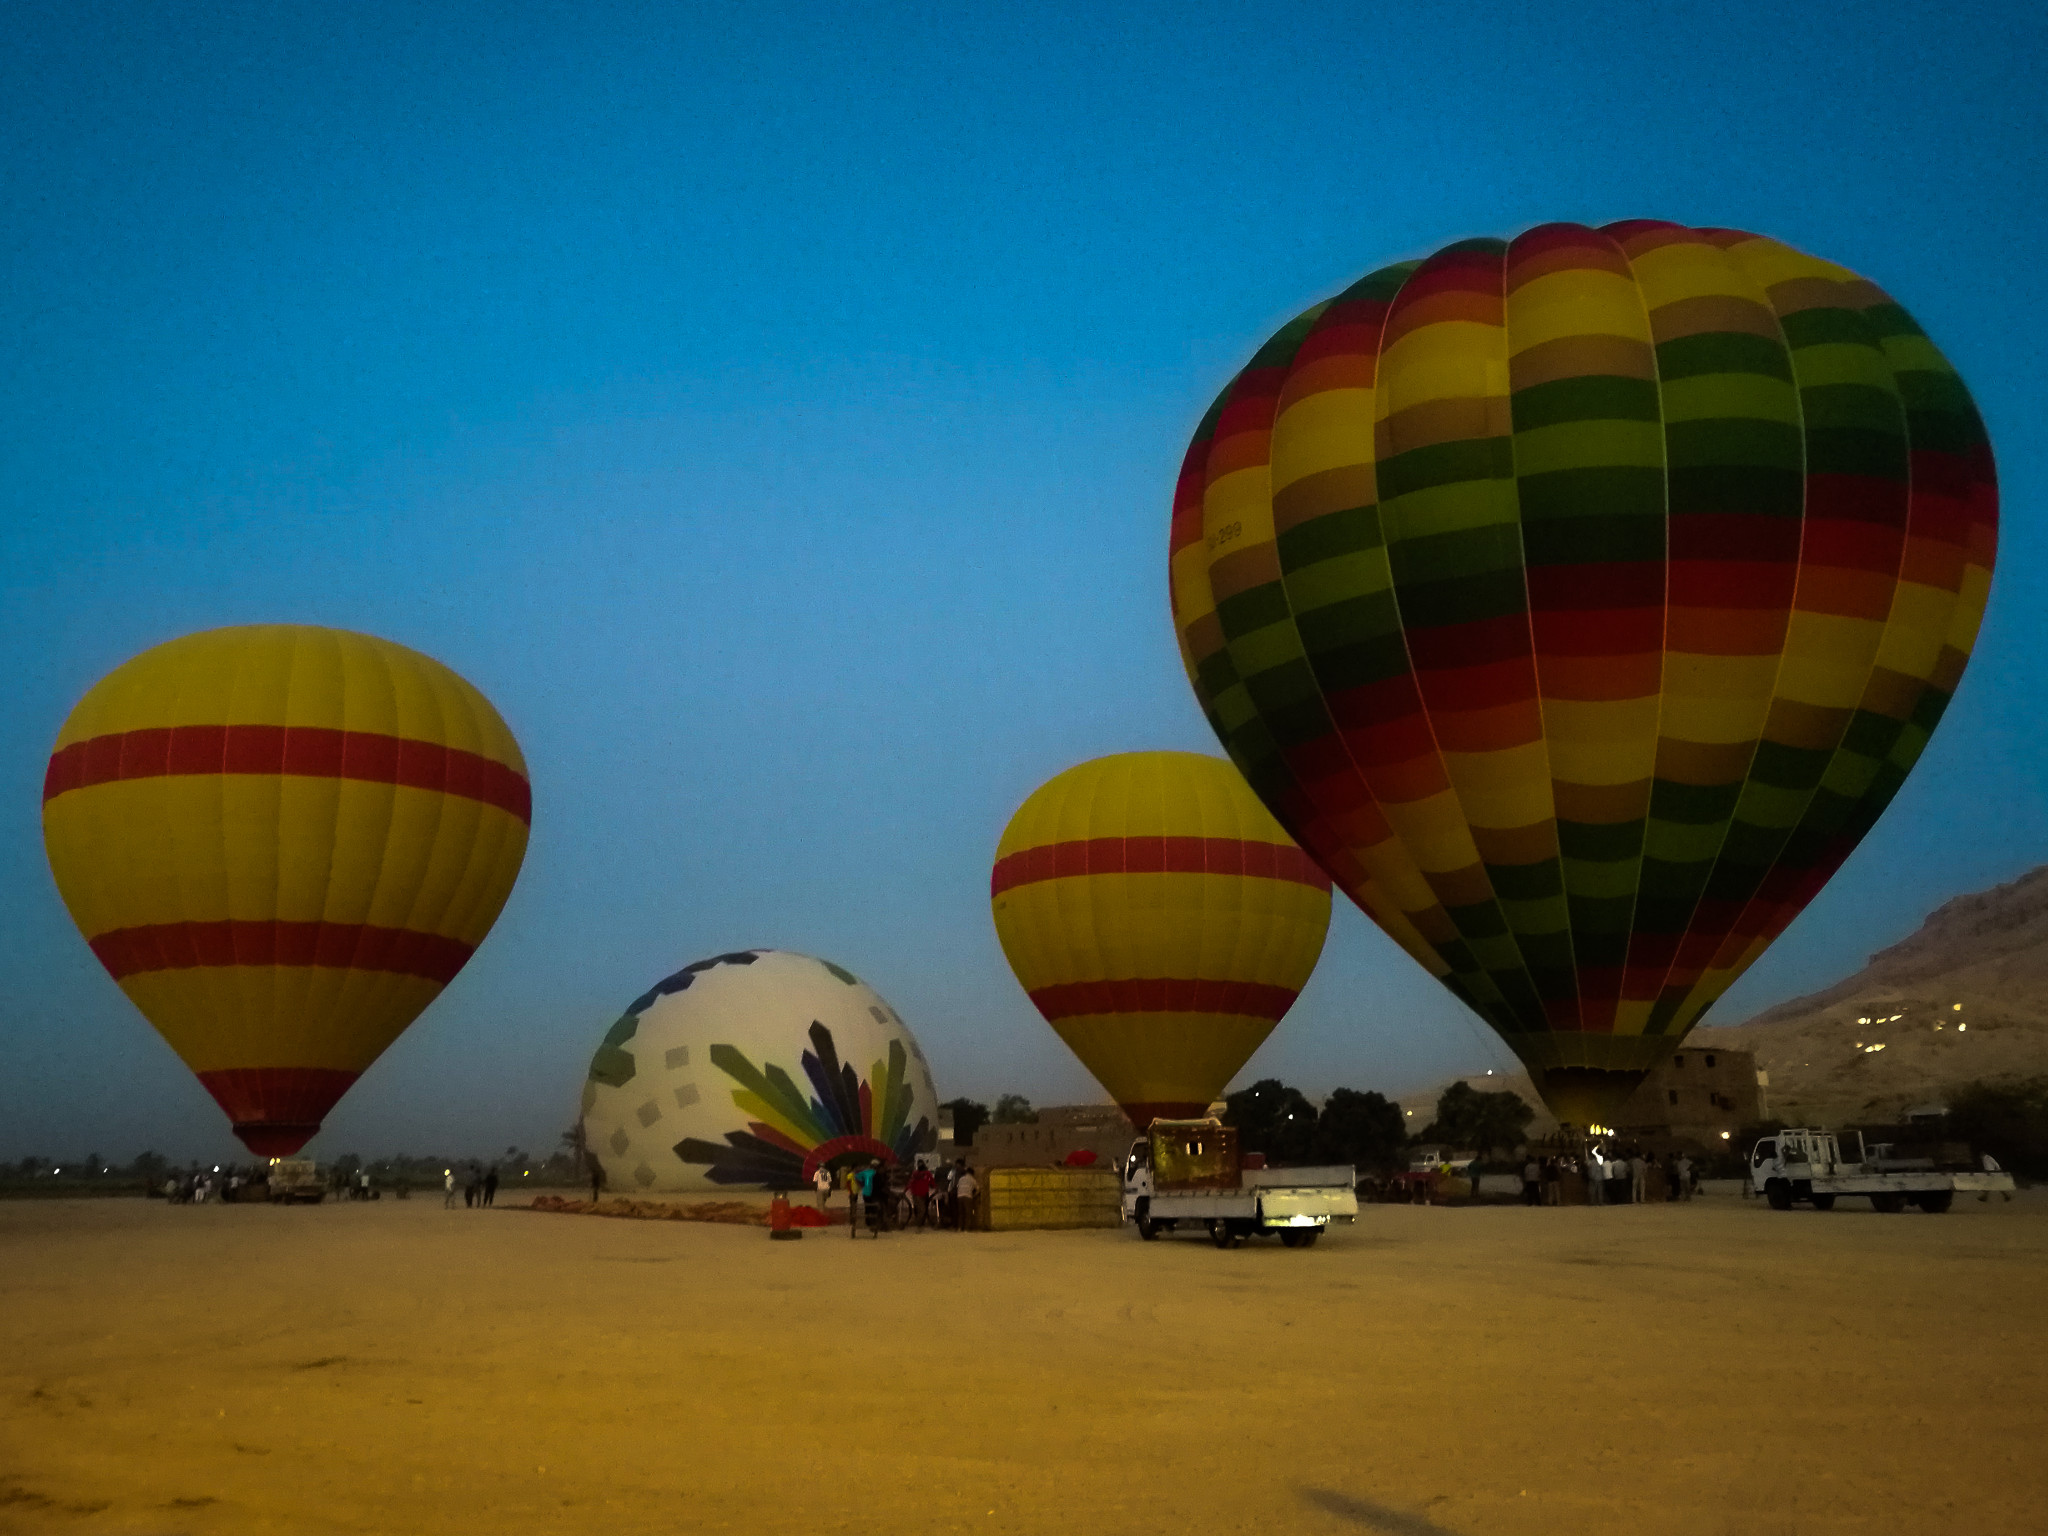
(394, 1367)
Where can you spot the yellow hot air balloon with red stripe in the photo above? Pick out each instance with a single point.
(1161, 920)
(283, 841)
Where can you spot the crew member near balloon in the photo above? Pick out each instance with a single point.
(1161, 921)
(283, 841)
(1579, 601)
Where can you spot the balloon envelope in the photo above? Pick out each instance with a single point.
(1161, 920)
(1579, 602)
(283, 842)
(757, 1068)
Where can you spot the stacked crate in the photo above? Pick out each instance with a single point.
(1019, 1198)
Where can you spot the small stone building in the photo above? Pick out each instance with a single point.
(1694, 1097)
(1098, 1128)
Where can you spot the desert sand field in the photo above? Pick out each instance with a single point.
(396, 1367)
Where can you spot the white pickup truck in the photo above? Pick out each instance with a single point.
(1808, 1165)
(1188, 1171)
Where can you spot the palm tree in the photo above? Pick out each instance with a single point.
(578, 1148)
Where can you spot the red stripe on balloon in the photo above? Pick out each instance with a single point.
(305, 750)
(1156, 856)
(277, 1095)
(1251, 999)
(343, 946)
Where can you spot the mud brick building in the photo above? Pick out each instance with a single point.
(1695, 1096)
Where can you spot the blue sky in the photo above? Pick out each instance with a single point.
(774, 410)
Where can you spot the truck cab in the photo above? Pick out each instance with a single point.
(1782, 1168)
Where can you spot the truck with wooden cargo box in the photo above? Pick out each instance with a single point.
(297, 1180)
(1190, 1173)
(1808, 1166)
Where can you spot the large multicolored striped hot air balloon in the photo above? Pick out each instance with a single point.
(1579, 602)
(283, 842)
(1161, 921)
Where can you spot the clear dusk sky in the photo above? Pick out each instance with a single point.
(774, 409)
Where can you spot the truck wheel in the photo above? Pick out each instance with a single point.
(1779, 1193)
(1937, 1201)
(1221, 1235)
(1148, 1229)
(1301, 1237)
(1889, 1205)
(1822, 1202)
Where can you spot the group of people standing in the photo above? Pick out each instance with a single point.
(478, 1188)
(198, 1187)
(1627, 1178)
(935, 1198)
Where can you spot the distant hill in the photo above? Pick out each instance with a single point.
(1963, 999)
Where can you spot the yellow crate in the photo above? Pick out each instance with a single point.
(1023, 1198)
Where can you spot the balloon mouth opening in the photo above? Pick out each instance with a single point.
(271, 1140)
(1143, 1113)
(1584, 1097)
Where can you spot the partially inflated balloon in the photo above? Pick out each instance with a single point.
(1579, 602)
(283, 842)
(1161, 921)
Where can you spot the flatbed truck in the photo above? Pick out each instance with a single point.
(1189, 1173)
(1807, 1166)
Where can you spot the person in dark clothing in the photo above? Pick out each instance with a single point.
(596, 1181)
(491, 1187)
(882, 1214)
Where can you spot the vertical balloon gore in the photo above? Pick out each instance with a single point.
(283, 842)
(1579, 602)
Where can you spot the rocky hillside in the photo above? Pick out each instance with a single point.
(1963, 999)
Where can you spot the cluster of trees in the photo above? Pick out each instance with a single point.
(970, 1116)
(1368, 1130)
(149, 1169)
(92, 1165)
(2008, 1120)
(1364, 1129)
(1483, 1122)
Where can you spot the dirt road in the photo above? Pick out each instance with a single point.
(1702, 1370)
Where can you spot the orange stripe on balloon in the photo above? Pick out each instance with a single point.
(309, 751)
(1153, 856)
(342, 946)
(1250, 999)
